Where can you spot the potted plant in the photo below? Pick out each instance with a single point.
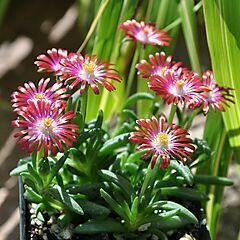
(130, 178)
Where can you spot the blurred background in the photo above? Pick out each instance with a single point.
(28, 28)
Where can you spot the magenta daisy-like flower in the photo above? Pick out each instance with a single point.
(158, 65)
(216, 96)
(145, 33)
(169, 141)
(178, 87)
(51, 62)
(54, 94)
(45, 126)
(88, 71)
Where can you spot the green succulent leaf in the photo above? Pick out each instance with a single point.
(134, 209)
(77, 155)
(32, 196)
(212, 180)
(89, 189)
(99, 226)
(123, 183)
(136, 156)
(59, 164)
(185, 193)
(93, 209)
(19, 169)
(171, 223)
(59, 194)
(127, 113)
(183, 170)
(99, 121)
(169, 205)
(113, 204)
(34, 175)
(137, 97)
(114, 143)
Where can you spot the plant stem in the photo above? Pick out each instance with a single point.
(172, 113)
(146, 180)
(84, 104)
(191, 118)
(133, 69)
(39, 157)
(179, 20)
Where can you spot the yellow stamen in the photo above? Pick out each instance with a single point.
(89, 67)
(163, 138)
(39, 96)
(146, 30)
(47, 122)
(164, 70)
(179, 83)
(207, 88)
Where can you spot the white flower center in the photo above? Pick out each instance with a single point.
(162, 140)
(179, 87)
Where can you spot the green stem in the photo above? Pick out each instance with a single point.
(133, 69)
(178, 21)
(172, 113)
(84, 104)
(191, 118)
(39, 157)
(146, 180)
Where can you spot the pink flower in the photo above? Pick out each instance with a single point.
(145, 33)
(45, 126)
(158, 65)
(215, 96)
(178, 87)
(52, 62)
(169, 141)
(88, 70)
(54, 94)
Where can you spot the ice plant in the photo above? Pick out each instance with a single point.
(178, 86)
(145, 33)
(158, 65)
(54, 94)
(45, 126)
(88, 71)
(169, 141)
(216, 96)
(52, 62)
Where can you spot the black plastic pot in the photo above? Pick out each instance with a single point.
(25, 219)
(22, 210)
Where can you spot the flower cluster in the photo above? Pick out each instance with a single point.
(176, 84)
(78, 69)
(41, 117)
(45, 124)
(41, 109)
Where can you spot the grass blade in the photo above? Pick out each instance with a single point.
(189, 26)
